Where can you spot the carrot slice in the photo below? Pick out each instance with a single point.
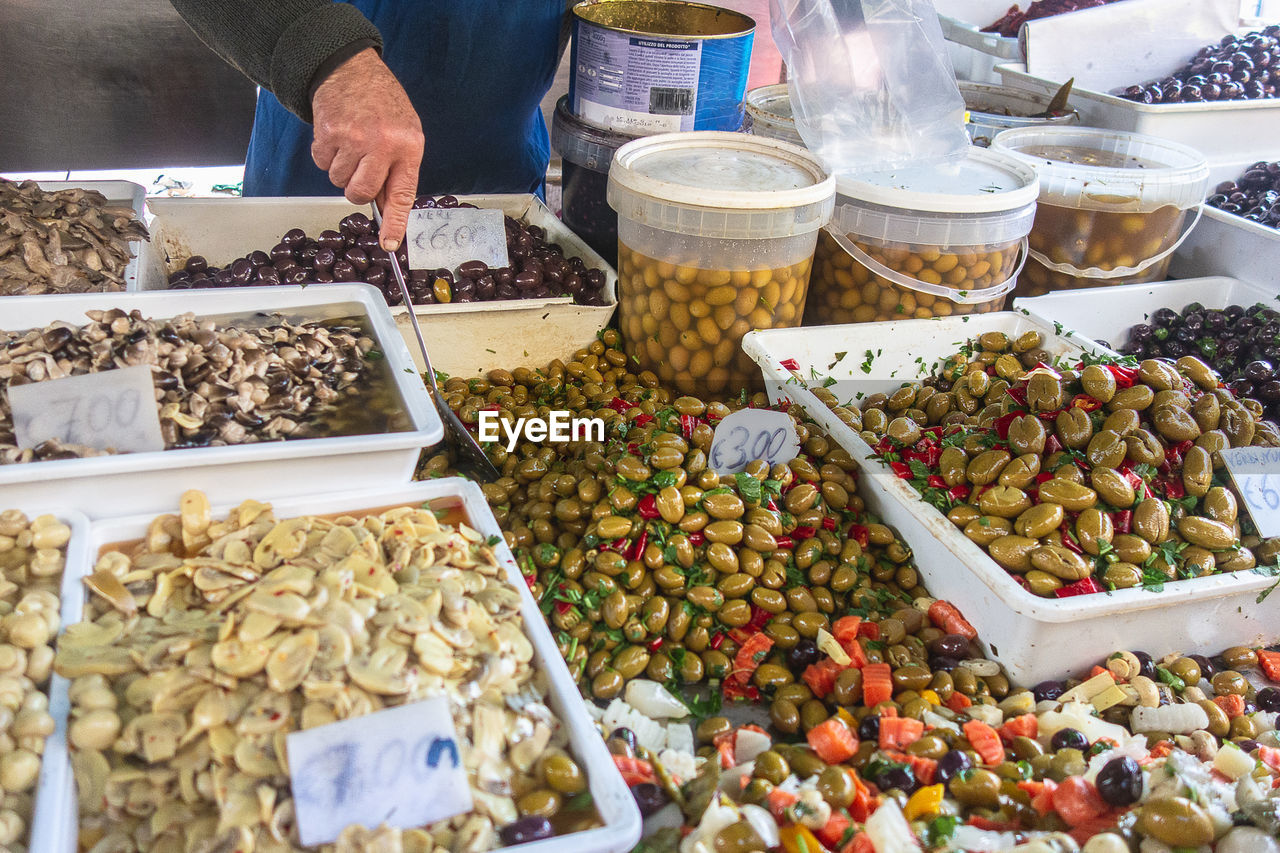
(833, 741)
(1077, 801)
(833, 830)
(947, 616)
(777, 800)
(899, 731)
(821, 676)
(985, 741)
(957, 701)
(1270, 756)
(750, 655)
(861, 843)
(1232, 704)
(634, 770)
(1270, 663)
(1025, 725)
(845, 629)
(877, 684)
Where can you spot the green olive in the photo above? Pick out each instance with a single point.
(1112, 487)
(986, 467)
(1197, 472)
(979, 787)
(1073, 427)
(562, 774)
(1138, 397)
(1207, 533)
(711, 728)
(988, 528)
(1151, 520)
(1013, 552)
(542, 803)
(1175, 424)
(1220, 505)
(1098, 382)
(836, 787)
(1061, 562)
(1004, 501)
(812, 713)
(1094, 529)
(1072, 496)
(1021, 472)
(785, 716)
(1175, 821)
(1027, 435)
(1039, 520)
(607, 685)
(738, 837)
(769, 676)
(631, 661)
(1186, 669)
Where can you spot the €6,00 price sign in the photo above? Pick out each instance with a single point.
(447, 237)
(1256, 471)
(112, 410)
(401, 767)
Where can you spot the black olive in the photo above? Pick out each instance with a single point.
(1120, 781)
(1069, 738)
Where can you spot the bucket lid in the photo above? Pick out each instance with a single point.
(1109, 170)
(982, 182)
(584, 144)
(771, 102)
(715, 184)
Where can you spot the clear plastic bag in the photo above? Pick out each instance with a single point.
(871, 85)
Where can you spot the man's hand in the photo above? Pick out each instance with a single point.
(369, 139)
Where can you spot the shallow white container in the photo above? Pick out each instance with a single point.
(122, 193)
(1224, 131)
(149, 482)
(1130, 304)
(975, 55)
(615, 805)
(1035, 638)
(1226, 244)
(54, 792)
(463, 339)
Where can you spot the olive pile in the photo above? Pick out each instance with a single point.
(538, 269)
(1255, 195)
(845, 291)
(1236, 68)
(1243, 344)
(1077, 479)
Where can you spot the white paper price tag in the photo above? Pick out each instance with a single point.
(1256, 471)
(751, 434)
(401, 767)
(446, 237)
(111, 410)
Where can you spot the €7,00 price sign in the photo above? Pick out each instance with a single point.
(401, 766)
(112, 410)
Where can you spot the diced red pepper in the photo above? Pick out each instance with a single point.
(901, 469)
(697, 538)
(717, 639)
(734, 691)
(563, 607)
(759, 618)
(860, 533)
(643, 420)
(1174, 489)
(1122, 521)
(1044, 476)
(619, 405)
(1086, 402)
(1018, 393)
(785, 543)
(687, 425)
(935, 481)
(1051, 444)
(804, 533)
(959, 492)
(1125, 376)
(1003, 422)
(1068, 538)
(828, 522)
(648, 507)
(870, 630)
(655, 644)
(1088, 586)
(884, 445)
(634, 449)
(637, 550)
(790, 364)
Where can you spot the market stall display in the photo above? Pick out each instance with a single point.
(924, 242)
(1112, 206)
(60, 238)
(716, 233)
(1254, 195)
(995, 108)
(1236, 68)
(1012, 21)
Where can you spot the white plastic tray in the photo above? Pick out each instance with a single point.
(975, 54)
(463, 339)
(149, 482)
(614, 803)
(1130, 304)
(1224, 131)
(1035, 638)
(54, 792)
(1225, 244)
(117, 192)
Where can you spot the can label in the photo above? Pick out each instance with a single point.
(634, 83)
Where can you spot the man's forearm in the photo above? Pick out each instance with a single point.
(280, 44)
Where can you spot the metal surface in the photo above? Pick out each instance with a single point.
(463, 449)
(661, 17)
(114, 84)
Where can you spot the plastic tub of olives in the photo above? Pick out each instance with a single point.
(465, 339)
(615, 807)
(382, 448)
(1035, 638)
(53, 795)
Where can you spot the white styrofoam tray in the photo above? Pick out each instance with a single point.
(149, 482)
(612, 798)
(118, 193)
(1224, 131)
(53, 793)
(463, 339)
(1035, 638)
(1130, 304)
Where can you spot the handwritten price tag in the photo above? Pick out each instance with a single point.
(752, 434)
(1256, 471)
(447, 237)
(401, 767)
(112, 410)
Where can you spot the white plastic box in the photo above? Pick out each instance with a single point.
(463, 339)
(53, 793)
(1224, 131)
(125, 193)
(149, 482)
(975, 54)
(1035, 638)
(1130, 304)
(613, 801)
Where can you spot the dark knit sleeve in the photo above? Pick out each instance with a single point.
(280, 44)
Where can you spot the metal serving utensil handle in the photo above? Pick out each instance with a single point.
(408, 305)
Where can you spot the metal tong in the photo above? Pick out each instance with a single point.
(463, 450)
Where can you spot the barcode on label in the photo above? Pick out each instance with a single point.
(670, 101)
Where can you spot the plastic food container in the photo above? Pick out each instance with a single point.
(924, 242)
(1112, 205)
(992, 109)
(975, 54)
(768, 110)
(54, 794)
(614, 804)
(716, 233)
(124, 193)
(465, 339)
(586, 152)
(1224, 131)
(151, 482)
(1035, 638)
(1131, 304)
(1225, 244)
(657, 66)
